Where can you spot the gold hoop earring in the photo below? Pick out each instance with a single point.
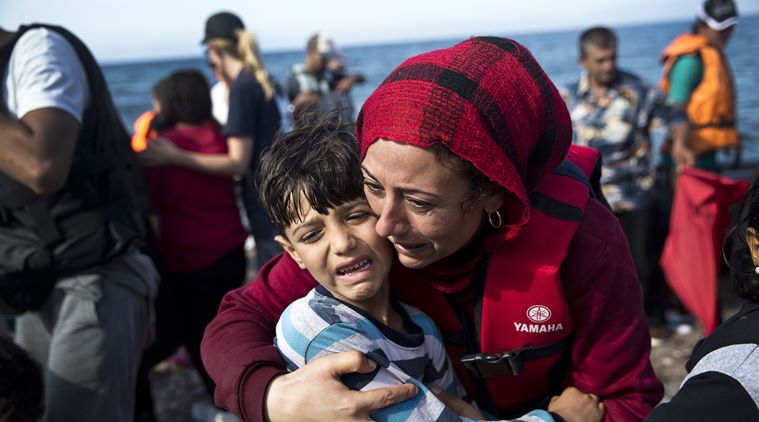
(495, 222)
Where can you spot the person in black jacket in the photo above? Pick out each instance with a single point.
(723, 370)
(71, 226)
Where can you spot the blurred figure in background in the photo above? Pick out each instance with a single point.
(71, 227)
(614, 111)
(722, 381)
(698, 80)
(321, 83)
(199, 231)
(220, 94)
(253, 120)
(143, 125)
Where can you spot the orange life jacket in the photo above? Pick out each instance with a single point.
(142, 131)
(523, 319)
(711, 108)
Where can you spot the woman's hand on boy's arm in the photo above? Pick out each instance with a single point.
(315, 392)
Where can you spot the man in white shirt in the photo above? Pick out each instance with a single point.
(70, 227)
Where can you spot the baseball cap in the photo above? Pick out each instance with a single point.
(222, 25)
(718, 14)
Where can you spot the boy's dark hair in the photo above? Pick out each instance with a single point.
(320, 159)
(736, 251)
(185, 98)
(597, 36)
(21, 390)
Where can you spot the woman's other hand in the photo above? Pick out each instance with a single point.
(576, 406)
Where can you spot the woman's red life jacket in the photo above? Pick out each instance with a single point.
(511, 343)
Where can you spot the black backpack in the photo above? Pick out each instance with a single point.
(96, 217)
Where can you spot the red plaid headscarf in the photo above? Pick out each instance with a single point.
(489, 102)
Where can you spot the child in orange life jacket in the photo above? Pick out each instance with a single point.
(310, 186)
(143, 126)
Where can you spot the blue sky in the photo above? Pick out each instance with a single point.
(119, 30)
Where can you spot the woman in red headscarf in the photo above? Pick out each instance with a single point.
(500, 238)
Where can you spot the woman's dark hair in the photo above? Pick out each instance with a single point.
(736, 250)
(320, 159)
(184, 97)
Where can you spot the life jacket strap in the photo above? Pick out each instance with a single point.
(722, 124)
(488, 365)
(555, 208)
(593, 183)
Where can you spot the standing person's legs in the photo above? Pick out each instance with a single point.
(198, 297)
(635, 225)
(89, 337)
(661, 213)
(262, 230)
(167, 339)
(639, 229)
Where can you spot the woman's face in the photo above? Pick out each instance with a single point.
(217, 61)
(424, 208)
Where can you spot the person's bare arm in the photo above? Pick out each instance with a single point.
(38, 150)
(681, 153)
(303, 101)
(234, 163)
(345, 84)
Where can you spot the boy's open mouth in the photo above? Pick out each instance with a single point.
(359, 266)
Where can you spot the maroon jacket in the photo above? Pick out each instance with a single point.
(609, 351)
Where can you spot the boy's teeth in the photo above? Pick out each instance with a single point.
(353, 268)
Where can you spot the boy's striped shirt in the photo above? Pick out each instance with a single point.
(319, 324)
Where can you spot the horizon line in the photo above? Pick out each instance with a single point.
(390, 42)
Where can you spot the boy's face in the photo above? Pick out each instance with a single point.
(341, 250)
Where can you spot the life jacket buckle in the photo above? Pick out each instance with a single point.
(488, 365)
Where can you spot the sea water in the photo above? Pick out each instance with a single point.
(640, 47)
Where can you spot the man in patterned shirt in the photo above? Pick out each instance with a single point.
(615, 111)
